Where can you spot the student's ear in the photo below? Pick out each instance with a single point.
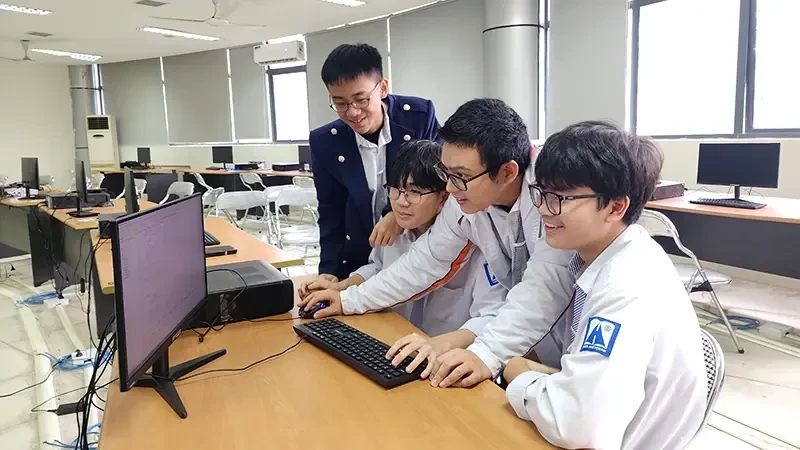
(617, 208)
(384, 88)
(508, 172)
(443, 196)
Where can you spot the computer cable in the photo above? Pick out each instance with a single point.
(18, 391)
(107, 344)
(36, 409)
(242, 369)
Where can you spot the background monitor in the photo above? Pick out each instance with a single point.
(222, 155)
(131, 196)
(81, 191)
(739, 164)
(143, 155)
(30, 177)
(304, 155)
(159, 283)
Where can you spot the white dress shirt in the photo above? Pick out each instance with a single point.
(634, 375)
(373, 157)
(469, 300)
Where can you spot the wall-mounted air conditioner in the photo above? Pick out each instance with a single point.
(101, 135)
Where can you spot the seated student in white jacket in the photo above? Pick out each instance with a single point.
(456, 312)
(631, 374)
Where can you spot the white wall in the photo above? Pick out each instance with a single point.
(680, 164)
(199, 157)
(588, 62)
(36, 120)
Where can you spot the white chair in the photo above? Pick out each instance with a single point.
(657, 224)
(297, 235)
(250, 180)
(141, 185)
(243, 201)
(210, 196)
(179, 189)
(303, 182)
(46, 180)
(715, 373)
(3, 179)
(97, 180)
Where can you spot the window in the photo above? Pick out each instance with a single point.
(695, 71)
(288, 103)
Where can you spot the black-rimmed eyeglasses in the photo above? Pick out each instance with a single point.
(553, 200)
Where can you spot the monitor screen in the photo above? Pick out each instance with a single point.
(304, 154)
(745, 164)
(80, 181)
(159, 280)
(30, 172)
(222, 155)
(143, 155)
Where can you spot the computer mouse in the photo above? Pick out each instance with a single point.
(310, 313)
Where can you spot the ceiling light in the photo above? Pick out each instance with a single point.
(23, 9)
(369, 19)
(78, 56)
(176, 33)
(346, 2)
(337, 26)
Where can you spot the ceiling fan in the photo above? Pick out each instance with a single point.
(223, 9)
(25, 45)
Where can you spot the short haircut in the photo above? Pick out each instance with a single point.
(349, 61)
(416, 159)
(604, 158)
(494, 128)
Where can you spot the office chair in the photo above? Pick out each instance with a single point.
(715, 373)
(657, 224)
(141, 185)
(3, 179)
(210, 196)
(46, 180)
(178, 189)
(97, 180)
(243, 200)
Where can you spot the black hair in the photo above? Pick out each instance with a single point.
(416, 159)
(494, 128)
(604, 158)
(349, 61)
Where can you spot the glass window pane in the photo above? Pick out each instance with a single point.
(777, 69)
(687, 67)
(291, 106)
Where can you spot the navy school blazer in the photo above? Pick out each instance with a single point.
(345, 202)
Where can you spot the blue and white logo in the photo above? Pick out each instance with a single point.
(600, 336)
(489, 276)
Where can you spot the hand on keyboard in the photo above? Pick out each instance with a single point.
(330, 295)
(427, 349)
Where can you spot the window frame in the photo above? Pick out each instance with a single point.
(270, 73)
(745, 78)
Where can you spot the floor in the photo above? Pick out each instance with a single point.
(757, 409)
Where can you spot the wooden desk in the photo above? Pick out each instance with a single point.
(249, 249)
(755, 239)
(786, 210)
(90, 223)
(306, 399)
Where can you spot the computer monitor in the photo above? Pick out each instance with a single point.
(159, 284)
(82, 192)
(753, 164)
(30, 177)
(304, 156)
(143, 155)
(131, 196)
(222, 155)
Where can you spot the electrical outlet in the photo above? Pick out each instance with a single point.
(79, 357)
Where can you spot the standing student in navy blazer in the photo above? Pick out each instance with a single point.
(350, 156)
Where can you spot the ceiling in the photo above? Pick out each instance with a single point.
(109, 27)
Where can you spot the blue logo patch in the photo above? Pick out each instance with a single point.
(600, 336)
(489, 276)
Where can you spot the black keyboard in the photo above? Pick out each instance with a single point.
(359, 351)
(729, 202)
(209, 238)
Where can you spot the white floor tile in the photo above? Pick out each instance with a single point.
(711, 439)
(14, 362)
(21, 437)
(16, 409)
(11, 329)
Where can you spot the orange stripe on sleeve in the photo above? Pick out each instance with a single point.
(454, 268)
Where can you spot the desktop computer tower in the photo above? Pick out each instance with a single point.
(268, 292)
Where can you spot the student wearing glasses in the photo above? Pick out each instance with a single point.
(486, 162)
(467, 301)
(350, 156)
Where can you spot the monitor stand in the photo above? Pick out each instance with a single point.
(80, 212)
(737, 195)
(163, 377)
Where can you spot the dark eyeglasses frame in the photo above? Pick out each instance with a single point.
(543, 195)
(364, 101)
(457, 181)
(405, 192)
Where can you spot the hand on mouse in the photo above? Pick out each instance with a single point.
(320, 282)
(330, 295)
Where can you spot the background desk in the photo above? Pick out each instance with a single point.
(306, 399)
(757, 239)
